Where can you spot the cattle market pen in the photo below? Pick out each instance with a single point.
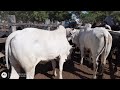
(72, 69)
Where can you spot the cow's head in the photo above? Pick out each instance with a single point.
(70, 34)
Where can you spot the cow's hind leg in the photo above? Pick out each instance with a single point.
(104, 56)
(15, 69)
(115, 69)
(103, 63)
(82, 55)
(14, 74)
(95, 66)
(111, 68)
(54, 66)
(30, 74)
(61, 62)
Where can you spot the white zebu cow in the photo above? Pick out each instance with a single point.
(26, 48)
(97, 40)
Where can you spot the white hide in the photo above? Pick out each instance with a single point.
(26, 48)
(97, 40)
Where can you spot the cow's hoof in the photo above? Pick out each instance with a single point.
(60, 77)
(81, 63)
(94, 77)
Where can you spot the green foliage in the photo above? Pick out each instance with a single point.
(95, 16)
(116, 15)
(37, 15)
(91, 16)
(59, 15)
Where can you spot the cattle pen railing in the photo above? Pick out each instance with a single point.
(10, 26)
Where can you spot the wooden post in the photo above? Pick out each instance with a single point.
(11, 20)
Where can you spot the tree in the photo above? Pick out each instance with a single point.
(94, 16)
(39, 15)
(116, 15)
(59, 15)
(91, 16)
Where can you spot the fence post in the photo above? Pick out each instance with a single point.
(11, 20)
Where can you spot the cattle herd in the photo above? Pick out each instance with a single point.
(27, 47)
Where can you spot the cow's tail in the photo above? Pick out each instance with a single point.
(105, 39)
(7, 44)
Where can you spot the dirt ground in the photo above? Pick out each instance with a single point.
(72, 70)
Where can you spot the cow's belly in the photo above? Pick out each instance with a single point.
(29, 54)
